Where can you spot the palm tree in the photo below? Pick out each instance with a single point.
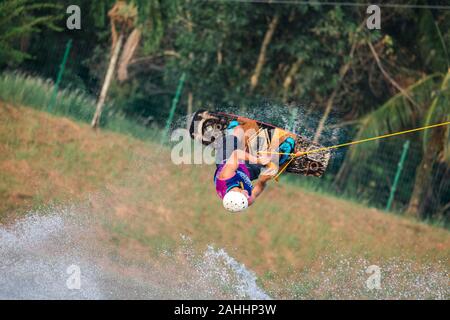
(123, 17)
(140, 22)
(400, 113)
(435, 147)
(424, 103)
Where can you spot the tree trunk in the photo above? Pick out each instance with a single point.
(262, 53)
(388, 77)
(288, 80)
(127, 54)
(109, 76)
(190, 102)
(435, 148)
(424, 173)
(326, 114)
(342, 72)
(190, 105)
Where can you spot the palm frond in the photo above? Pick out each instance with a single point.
(396, 114)
(439, 111)
(446, 154)
(431, 43)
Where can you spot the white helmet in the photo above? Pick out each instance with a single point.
(235, 201)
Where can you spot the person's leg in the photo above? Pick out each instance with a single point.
(259, 186)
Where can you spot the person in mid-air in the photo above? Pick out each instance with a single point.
(236, 169)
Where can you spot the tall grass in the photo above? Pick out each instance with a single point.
(35, 92)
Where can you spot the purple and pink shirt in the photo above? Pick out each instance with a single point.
(240, 179)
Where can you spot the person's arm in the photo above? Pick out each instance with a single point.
(259, 187)
(236, 157)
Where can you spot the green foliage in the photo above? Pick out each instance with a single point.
(431, 99)
(398, 113)
(155, 18)
(98, 10)
(20, 19)
(438, 112)
(223, 41)
(433, 43)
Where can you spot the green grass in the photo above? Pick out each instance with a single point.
(156, 244)
(22, 89)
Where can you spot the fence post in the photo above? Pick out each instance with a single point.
(174, 106)
(60, 74)
(397, 175)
